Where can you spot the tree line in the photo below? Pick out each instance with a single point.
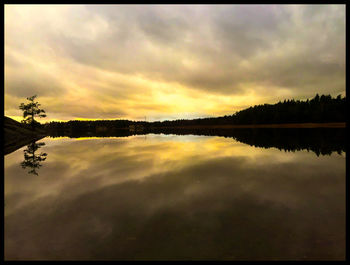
(320, 109)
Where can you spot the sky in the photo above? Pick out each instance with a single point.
(160, 62)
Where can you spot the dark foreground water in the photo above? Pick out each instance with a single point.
(172, 197)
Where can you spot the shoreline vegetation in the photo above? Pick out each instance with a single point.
(281, 125)
(319, 112)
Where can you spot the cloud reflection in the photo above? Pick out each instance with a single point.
(170, 198)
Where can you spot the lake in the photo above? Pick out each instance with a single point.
(168, 197)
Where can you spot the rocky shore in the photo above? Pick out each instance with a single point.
(17, 135)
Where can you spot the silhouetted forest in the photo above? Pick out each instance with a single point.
(89, 128)
(320, 109)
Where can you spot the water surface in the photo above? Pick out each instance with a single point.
(173, 197)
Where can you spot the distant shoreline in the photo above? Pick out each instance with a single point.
(283, 125)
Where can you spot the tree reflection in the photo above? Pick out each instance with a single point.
(31, 159)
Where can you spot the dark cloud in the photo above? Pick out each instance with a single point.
(217, 49)
(236, 33)
(245, 30)
(26, 85)
(24, 78)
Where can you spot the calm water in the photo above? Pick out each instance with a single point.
(173, 197)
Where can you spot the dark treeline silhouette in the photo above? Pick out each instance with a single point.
(320, 109)
(89, 128)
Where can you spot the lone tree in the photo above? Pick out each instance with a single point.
(31, 110)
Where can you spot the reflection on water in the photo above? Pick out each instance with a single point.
(322, 141)
(32, 159)
(174, 197)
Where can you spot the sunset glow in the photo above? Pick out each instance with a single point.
(162, 62)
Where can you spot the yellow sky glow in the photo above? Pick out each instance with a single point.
(169, 62)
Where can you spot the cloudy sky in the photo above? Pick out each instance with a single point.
(167, 62)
